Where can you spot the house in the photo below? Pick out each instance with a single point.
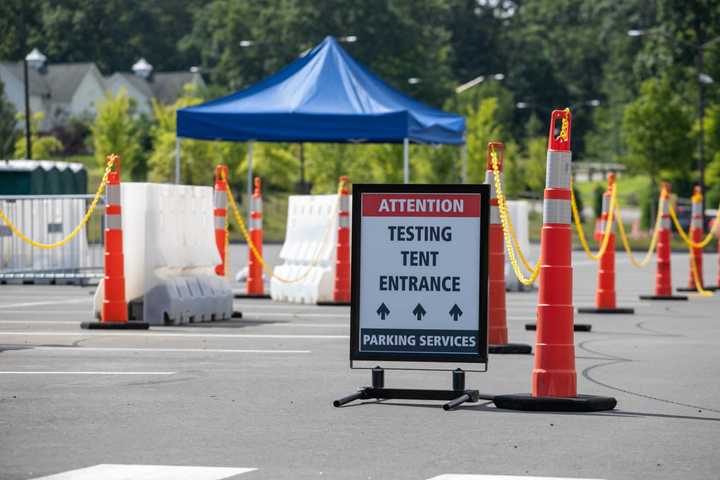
(73, 90)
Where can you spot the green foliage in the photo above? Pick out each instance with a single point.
(115, 130)
(43, 147)
(656, 127)
(8, 130)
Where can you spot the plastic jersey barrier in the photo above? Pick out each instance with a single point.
(310, 244)
(170, 255)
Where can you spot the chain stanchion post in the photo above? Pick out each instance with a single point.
(114, 310)
(554, 379)
(663, 275)
(497, 313)
(605, 297)
(220, 217)
(696, 235)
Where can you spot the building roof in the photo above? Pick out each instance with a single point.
(140, 84)
(37, 81)
(64, 79)
(168, 86)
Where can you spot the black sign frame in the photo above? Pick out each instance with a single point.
(481, 355)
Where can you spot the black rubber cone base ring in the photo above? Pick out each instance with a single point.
(236, 314)
(528, 403)
(511, 348)
(333, 304)
(115, 325)
(692, 289)
(663, 297)
(606, 310)
(250, 295)
(577, 327)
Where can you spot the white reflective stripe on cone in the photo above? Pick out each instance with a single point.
(255, 223)
(606, 204)
(559, 169)
(113, 221)
(697, 220)
(556, 211)
(257, 205)
(220, 199)
(344, 221)
(219, 223)
(601, 226)
(344, 203)
(490, 180)
(494, 215)
(112, 196)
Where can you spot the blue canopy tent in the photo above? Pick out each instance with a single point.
(324, 96)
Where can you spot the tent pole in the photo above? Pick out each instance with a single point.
(177, 160)
(463, 154)
(249, 178)
(406, 161)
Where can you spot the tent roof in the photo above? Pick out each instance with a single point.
(325, 96)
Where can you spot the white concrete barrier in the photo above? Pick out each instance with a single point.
(519, 211)
(309, 251)
(170, 254)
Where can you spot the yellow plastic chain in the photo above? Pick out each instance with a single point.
(653, 241)
(77, 229)
(565, 127)
(608, 226)
(696, 277)
(256, 253)
(507, 234)
(686, 238)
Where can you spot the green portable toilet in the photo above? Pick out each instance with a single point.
(21, 177)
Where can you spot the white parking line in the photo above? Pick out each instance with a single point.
(295, 315)
(69, 349)
(147, 472)
(21, 372)
(87, 311)
(56, 302)
(455, 476)
(40, 322)
(151, 333)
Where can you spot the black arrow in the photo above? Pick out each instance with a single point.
(419, 311)
(383, 311)
(455, 312)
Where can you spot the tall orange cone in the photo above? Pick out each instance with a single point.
(696, 235)
(220, 217)
(255, 285)
(605, 297)
(663, 275)
(554, 378)
(114, 311)
(497, 314)
(341, 288)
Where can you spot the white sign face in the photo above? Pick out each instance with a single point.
(420, 274)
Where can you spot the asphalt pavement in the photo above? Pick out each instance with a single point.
(252, 398)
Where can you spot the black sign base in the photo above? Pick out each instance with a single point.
(333, 304)
(618, 311)
(577, 327)
(663, 297)
(511, 348)
(455, 397)
(581, 403)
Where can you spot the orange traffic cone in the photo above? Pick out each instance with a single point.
(497, 314)
(605, 298)
(696, 235)
(663, 276)
(114, 311)
(554, 377)
(341, 290)
(255, 285)
(220, 216)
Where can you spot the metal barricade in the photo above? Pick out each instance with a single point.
(47, 219)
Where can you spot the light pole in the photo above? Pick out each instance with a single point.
(36, 60)
(702, 80)
(460, 89)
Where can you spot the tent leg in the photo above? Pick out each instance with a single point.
(249, 178)
(177, 160)
(406, 161)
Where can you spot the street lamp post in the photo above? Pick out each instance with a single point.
(36, 60)
(702, 79)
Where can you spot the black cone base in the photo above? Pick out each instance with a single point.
(581, 403)
(115, 325)
(606, 310)
(577, 327)
(511, 348)
(250, 295)
(663, 297)
(333, 304)
(236, 314)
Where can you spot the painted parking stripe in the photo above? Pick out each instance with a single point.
(455, 476)
(49, 311)
(152, 333)
(35, 304)
(155, 350)
(21, 372)
(148, 472)
(294, 315)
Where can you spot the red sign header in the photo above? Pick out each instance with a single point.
(420, 205)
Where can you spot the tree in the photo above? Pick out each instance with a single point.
(43, 147)
(115, 131)
(8, 130)
(656, 127)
